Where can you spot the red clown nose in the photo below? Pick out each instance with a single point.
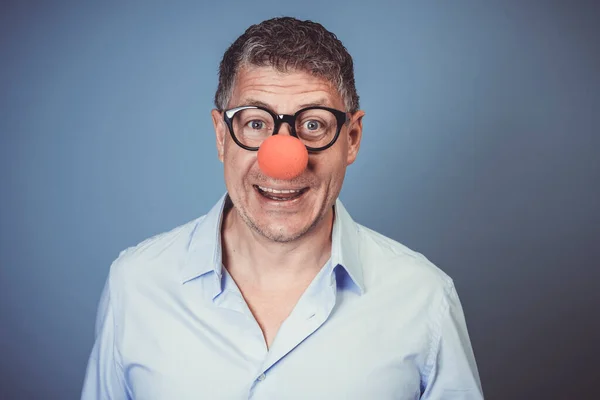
(282, 157)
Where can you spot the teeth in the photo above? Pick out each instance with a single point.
(270, 190)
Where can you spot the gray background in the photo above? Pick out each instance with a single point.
(480, 151)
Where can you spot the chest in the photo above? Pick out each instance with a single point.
(271, 309)
(355, 352)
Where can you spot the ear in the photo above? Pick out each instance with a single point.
(220, 132)
(354, 135)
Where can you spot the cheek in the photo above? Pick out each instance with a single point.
(237, 165)
(329, 166)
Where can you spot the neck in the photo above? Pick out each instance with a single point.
(264, 263)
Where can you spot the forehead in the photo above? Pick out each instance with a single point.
(284, 91)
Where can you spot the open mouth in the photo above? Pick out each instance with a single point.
(280, 194)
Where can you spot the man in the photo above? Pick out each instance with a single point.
(276, 293)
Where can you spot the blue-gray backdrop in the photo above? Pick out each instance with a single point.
(480, 150)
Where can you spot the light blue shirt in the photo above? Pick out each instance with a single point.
(379, 321)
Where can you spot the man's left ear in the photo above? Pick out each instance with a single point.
(354, 135)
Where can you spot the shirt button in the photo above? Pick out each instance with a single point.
(262, 377)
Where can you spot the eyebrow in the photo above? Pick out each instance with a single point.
(254, 102)
(319, 103)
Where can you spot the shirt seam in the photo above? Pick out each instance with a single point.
(116, 354)
(437, 333)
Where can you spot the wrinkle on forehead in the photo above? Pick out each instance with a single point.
(283, 91)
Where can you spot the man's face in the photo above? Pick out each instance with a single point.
(285, 93)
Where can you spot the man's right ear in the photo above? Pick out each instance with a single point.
(220, 132)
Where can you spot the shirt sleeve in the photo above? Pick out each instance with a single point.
(453, 372)
(104, 375)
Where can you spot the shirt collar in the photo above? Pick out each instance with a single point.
(204, 247)
(205, 251)
(345, 246)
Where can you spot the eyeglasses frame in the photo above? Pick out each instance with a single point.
(341, 117)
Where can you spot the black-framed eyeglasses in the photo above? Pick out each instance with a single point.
(317, 127)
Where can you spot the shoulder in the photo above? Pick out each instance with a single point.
(389, 263)
(154, 258)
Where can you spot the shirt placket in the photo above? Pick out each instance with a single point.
(312, 310)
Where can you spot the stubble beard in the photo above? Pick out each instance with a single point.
(280, 236)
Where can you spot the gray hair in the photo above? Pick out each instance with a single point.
(289, 44)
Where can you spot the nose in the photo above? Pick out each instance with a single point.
(282, 156)
(285, 128)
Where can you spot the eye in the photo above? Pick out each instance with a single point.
(312, 125)
(256, 124)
